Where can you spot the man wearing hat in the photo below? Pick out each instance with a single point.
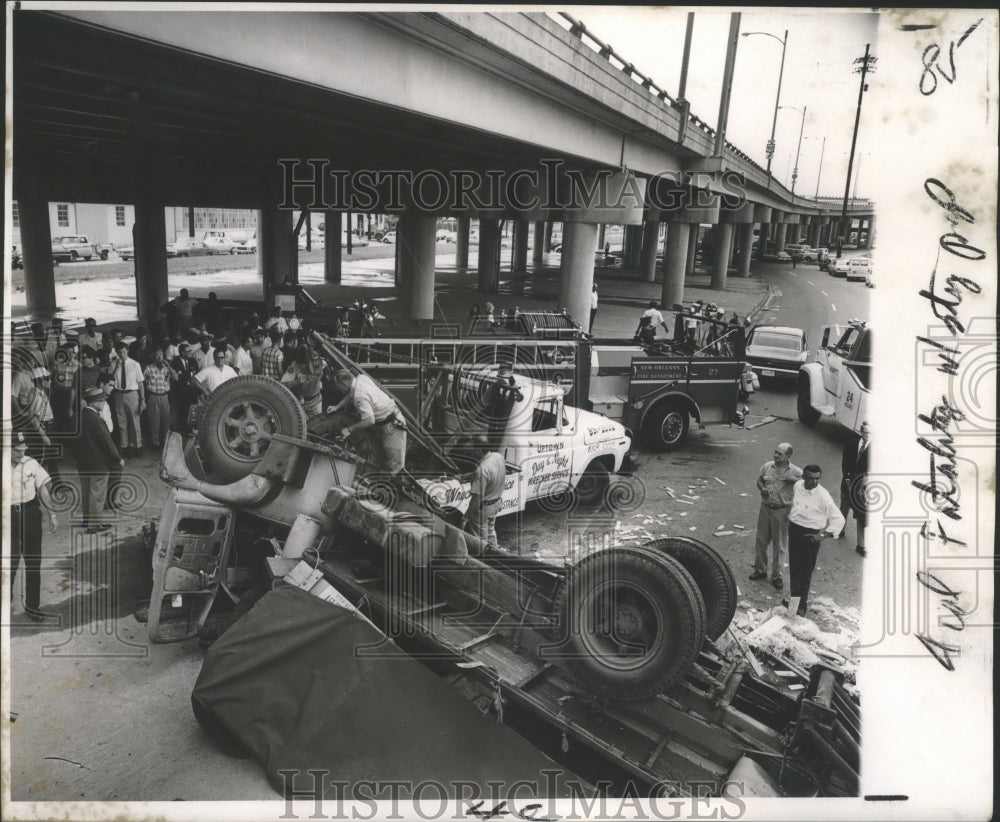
(96, 458)
(90, 336)
(29, 487)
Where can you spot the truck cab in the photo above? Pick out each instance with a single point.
(551, 448)
(837, 384)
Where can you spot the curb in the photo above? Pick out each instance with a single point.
(767, 296)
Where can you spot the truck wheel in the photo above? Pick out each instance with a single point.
(88, 257)
(632, 622)
(710, 572)
(239, 419)
(104, 254)
(666, 426)
(593, 485)
(73, 256)
(807, 414)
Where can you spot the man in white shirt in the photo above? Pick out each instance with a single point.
(90, 336)
(242, 361)
(29, 485)
(128, 399)
(813, 518)
(208, 379)
(655, 317)
(593, 308)
(379, 420)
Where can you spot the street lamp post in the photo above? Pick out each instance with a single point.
(769, 150)
(795, 169)
(820, 172)
(864, 65)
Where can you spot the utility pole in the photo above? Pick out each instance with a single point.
(867, 64)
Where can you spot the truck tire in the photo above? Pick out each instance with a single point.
(632, 622)
(807, 414)
(104, 254)
(666, 426)
(711, 574)
(73, 256)
(593, 485)
(240, 416)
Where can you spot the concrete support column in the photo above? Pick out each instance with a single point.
(576, 270)
(489, 255)
(538, 246)
(416, 236)
(779, 237)
(723, 244)
(519, 257)
(633, 245)
(548, 235)
(149, 235)
(692, 248)
(462, 244)
(650, 242)
(36, 241)
(600, 238)
(869, 232)
(333, 225)
(746, 243)
(277, 259)
(675, 257)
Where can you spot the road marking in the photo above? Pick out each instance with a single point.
(821, 291)
(833, 306)
(810, 282)
(792, 273)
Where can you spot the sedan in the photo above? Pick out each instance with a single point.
(220, 245)
(127, 251)
(189, 247)
(777, 350)
(784, 257)
(248, 246)
(389, 237)
(838, 268)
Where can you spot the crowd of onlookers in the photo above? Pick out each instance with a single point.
(151, 378)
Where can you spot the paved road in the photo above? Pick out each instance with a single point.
(718, 465)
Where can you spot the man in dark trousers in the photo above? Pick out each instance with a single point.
(854, 467)
(96, 458)
(29, 487)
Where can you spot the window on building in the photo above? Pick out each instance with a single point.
(62, 216)
(14, 215)
(120, 215)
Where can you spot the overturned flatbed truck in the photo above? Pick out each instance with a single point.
(614, 653)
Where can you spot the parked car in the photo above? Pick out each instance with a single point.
(838, 268)
(188, 247)
(812, 255)
(777, 350)
(247, 246)
(445, 236)
(389, 237)
(783, 257)
(219, 244)
(356, 241)
(127, 252)
(73, 247)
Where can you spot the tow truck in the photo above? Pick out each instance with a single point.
(653, 390)
(618, 649)
(837, 384)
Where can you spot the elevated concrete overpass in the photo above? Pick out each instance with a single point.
(197, 107)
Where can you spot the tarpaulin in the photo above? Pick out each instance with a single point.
(305, 685)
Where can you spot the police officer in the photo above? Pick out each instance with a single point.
(29, 486)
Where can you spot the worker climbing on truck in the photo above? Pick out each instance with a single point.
(379, 420)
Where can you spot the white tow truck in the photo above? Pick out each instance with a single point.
(552, 450)
(837, 384)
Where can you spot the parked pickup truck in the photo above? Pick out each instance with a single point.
(71, 248)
